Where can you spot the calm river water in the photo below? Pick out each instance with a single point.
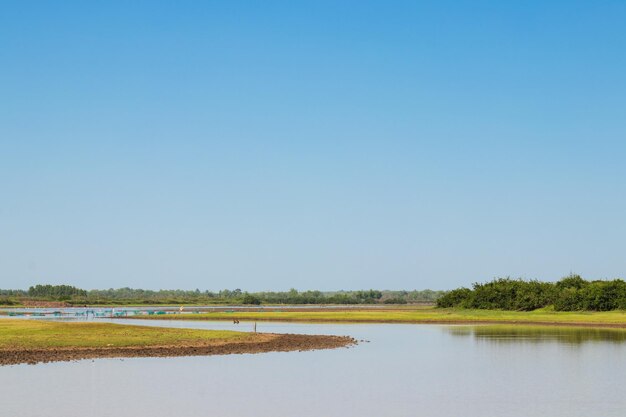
(404, 370)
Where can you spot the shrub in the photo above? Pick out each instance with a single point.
(603, 295)
(395, 301)
(571, 281)
(454, 298)
(533, 295)
(5, 301)
(568, 299)
(511, 294)
(251, 299)
(569, 294)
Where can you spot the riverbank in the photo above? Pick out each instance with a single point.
(29, 341)
(413, 315)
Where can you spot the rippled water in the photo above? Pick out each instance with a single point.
(404, 370)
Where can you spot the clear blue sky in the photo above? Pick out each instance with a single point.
(269, 145)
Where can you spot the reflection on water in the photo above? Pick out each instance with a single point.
(405, 371)
(538, 334)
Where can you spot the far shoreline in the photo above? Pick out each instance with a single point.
(420, 315)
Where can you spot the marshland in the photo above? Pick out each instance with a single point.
(375, 358)
(312, 209)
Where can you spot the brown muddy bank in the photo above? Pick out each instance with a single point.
(256, 343)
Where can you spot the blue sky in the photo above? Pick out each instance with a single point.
(315, 145)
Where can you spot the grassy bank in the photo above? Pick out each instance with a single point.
(417, 315)
(34, 334)
(25, 341)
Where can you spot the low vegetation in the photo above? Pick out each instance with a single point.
(26, 341)
(37, 334)
(128, 296)
(572, 293)
(414, 315)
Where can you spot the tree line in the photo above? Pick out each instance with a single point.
(56, 291)
(74, 295)
(572, 293)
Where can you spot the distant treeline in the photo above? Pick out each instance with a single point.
(572, 293)
(12, 293)
(56, 291)
(73, 295)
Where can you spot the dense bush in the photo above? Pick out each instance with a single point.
(571, 281)
(572, 293)
(395, 301)
(501, 294)
(5, 301)
(455, 298)
(251, 299)
(595, 295)
(533, 295)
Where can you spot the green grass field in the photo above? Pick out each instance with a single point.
(415, 315)
(35, 334)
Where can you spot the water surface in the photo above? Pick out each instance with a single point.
(404, 370)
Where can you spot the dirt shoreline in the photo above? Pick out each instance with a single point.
(257, 343)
